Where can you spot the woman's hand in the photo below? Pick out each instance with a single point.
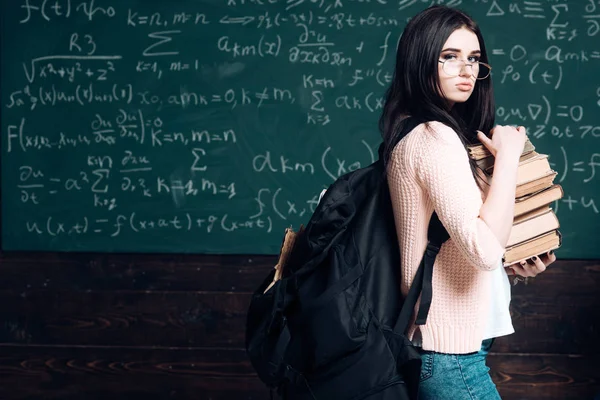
(497, 212)
(533, 266)
(505, 140)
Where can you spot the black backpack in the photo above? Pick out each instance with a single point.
(333, 326)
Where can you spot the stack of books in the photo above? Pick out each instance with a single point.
(535, 226)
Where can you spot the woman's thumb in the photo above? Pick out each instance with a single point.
(484, 139)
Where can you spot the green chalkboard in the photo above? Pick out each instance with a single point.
(210, 126)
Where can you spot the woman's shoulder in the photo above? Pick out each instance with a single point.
(440, 132)
(432, 133)
(427, 139)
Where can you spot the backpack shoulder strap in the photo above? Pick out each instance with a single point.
(436, 235)
(421, 284)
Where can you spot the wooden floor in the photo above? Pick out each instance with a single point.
(100, 326)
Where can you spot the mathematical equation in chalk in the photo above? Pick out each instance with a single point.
(134, 119)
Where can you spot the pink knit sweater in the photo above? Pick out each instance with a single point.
(429, 170)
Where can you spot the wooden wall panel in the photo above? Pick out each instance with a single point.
(545, 376)
(91, 271)
(199, 319)
(65, 372)
(74, 372)
(127, 326)
(125, 318)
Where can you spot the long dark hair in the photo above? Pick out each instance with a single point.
(415, 89)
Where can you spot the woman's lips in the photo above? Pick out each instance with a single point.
(464, 86)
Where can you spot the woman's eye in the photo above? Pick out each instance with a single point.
(449, 56)
(474, 59)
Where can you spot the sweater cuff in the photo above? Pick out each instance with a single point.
(490, 249)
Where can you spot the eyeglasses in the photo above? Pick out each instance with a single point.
(453, 66)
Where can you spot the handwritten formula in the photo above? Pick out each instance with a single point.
(185, 126)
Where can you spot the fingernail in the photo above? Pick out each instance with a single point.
(531, 261)
(534, 258)
(551, 252)
(523, 263)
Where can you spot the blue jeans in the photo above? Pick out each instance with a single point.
(457, 376)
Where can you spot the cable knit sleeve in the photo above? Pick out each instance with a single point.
(444, 172)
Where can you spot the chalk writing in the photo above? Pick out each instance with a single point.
(179, 126)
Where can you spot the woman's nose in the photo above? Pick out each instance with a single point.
(466, 70)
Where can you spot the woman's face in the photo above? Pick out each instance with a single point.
(457, 80)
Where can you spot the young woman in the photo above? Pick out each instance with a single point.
(442, 77)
